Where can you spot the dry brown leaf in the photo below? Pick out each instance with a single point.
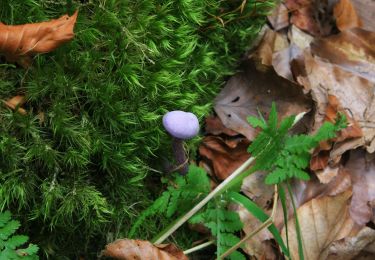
(251, 91)
(352, 50)
(356, 96)
(129, 249)
(279, 18)
(321, 155)
(254, 187)
(349, 247)
(346, 15)
(15, 103)
(214, 126)
(257, 245)
(19, 42)
(225, 155)
(362, 171)
(366, 11)
(271, 42)
(303, 13)
(322, 221)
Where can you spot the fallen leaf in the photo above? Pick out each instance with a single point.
(251, 91)
(356, 96)
(362, 171)
(214, 126)
(128, 249)
(225, 155)
(19, 42)
(254, 187)
(322, 221)
(366, 12)
(346, 15)
(321, 155)
(352, 50)
(271, 42)
(15, 103)
(349, 247)
(279, 18)
(303, 15)
(257, 245)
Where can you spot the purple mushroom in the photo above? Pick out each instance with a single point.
(181, 126)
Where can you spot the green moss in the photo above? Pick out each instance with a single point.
(82, 175)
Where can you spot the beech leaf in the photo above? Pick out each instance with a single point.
(19, 42)
(322, 221)
(346, 15)
(129, 249)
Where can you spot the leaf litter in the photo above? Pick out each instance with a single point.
(316, 57)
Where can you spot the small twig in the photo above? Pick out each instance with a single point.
(265, 224)
(199, 247)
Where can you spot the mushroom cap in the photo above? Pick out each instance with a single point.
(180, 124)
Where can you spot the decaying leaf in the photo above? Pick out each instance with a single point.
(352, 50)
(19, 42)
(15, 103)
(214, 126)
(321, 155)
(349, 247)
(250, 92)
(322, 221)
(362, 171)
(346, 15)
(356, 96)
(279, 18)
(128, 249)
(304, 15)
(225, 155)
(365, 9)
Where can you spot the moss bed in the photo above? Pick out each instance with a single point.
(89, 154)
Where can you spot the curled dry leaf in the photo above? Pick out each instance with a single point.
(346, 15)
(365, 9)
(251, 91)
(303, 15)
(362, 171)
(356, 96)
(18, 42)
(214, 126)
(225, 155)
(322, 221)
(129, 249)
(349, 247)
(15, 103)
(321, 155)
(279, 18)
(352, 50)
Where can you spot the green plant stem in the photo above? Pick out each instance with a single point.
(285, 213)
(265, 224)
(298, 229)
(199, 247)
(217, 191)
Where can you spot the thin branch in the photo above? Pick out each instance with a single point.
(199, 247)
(265, 224)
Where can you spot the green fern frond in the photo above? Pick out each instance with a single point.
(223, 224)
(286, 156)
(180, 196)
(9, 242)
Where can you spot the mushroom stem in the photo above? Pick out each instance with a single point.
(180, 156)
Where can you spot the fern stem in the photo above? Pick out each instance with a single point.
(199, 247)
(217, 191)
(265, 224)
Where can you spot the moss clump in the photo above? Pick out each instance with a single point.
(80, 175)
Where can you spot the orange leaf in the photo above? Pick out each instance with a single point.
(15, 102)
(346, 15)
(18, 42)
(225, 155)
(124, 249)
